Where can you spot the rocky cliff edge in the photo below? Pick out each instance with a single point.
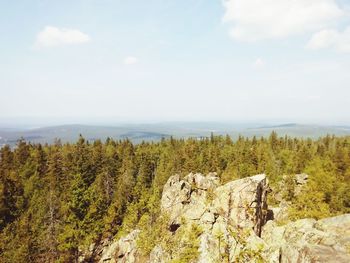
(232, 225)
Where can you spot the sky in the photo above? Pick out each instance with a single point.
(162, 60)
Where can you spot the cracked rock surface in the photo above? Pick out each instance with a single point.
(233, 222)
(197, 197)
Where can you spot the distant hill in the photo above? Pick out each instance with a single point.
(157, 131)
(300, 130)
(279, 126)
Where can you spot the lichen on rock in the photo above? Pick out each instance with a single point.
(207, 222)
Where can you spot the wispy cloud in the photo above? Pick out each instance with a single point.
(331, 38)
(130, 60)
(253, 20)
(52, 36)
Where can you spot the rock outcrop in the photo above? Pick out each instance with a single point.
(239, 206)
(232, 225)
(308, 240)
(123, 250)
(242, 203)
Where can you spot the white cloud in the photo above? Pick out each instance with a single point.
(258, 63)
(130, 60)
(52, 36)
(265, 19)
(331, 38)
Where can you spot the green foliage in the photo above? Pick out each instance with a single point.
(240, 249)
(289, 186)
(324, 194)
(186, 245)
(246, 253)
(57, 199)
(152, 233)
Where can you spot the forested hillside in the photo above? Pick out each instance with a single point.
(56, 200)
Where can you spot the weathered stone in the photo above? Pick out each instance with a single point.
(208, 218)
(243, 202)
(301, 179)
(233, 223)
(187, 198)
(158, 255)
(308, 240)
(123, 250)
(237, 205)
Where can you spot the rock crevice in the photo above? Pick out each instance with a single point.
(233, 219)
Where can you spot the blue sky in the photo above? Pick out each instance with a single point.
(232, 60)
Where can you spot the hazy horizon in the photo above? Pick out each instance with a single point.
(176, 61)
(41, 122)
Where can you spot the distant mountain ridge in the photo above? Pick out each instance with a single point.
(279, 126)
(157, 131)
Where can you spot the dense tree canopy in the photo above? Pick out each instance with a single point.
(55, 200)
